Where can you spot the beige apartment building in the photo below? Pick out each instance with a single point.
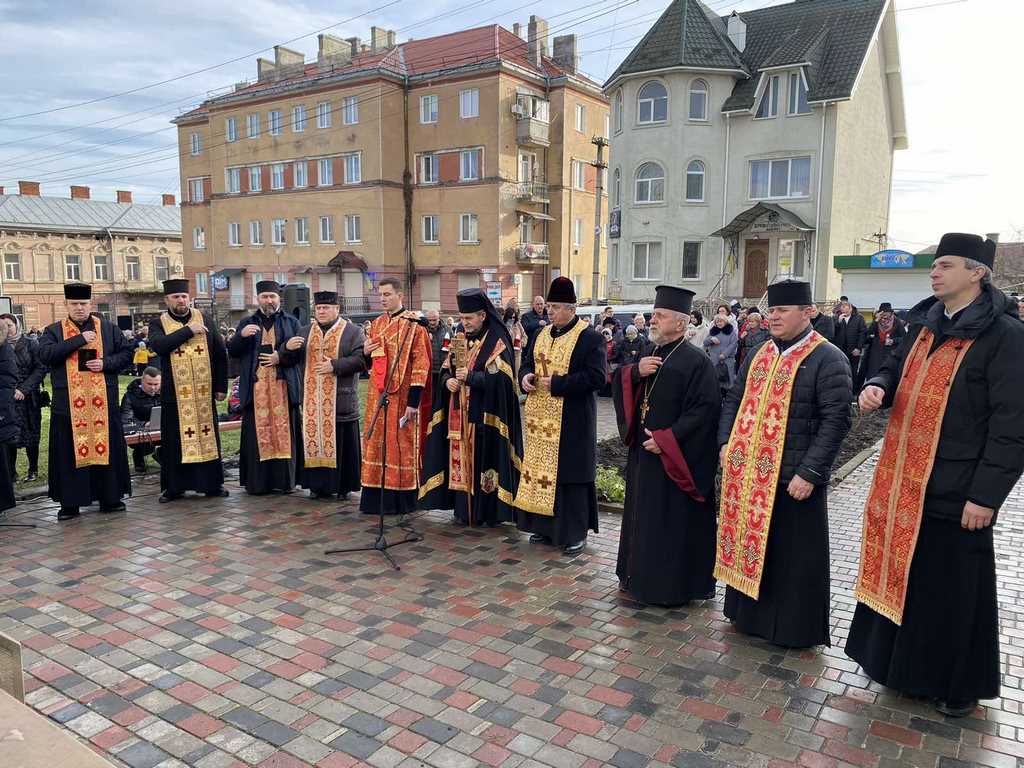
(456, 161)
(124, 249)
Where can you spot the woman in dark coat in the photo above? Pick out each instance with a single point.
(28, 398)
(8, 421)
(884, 335)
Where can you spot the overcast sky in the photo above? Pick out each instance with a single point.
(964, 108)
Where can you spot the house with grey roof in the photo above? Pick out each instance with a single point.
(123, 248)
(752, 147)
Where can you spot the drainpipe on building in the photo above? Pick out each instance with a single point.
(817, 213)
(113, 279)
(725, 205)
(407, 193)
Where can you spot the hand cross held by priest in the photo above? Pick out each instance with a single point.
(474, 439)
(88, 460)
(782, 425)
(667, 406)
(194, 364)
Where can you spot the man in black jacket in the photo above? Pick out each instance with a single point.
(28, 399)
(142, 395)
(927, 621)
(851, 334)
(822, 323)
(773, 525)
(535, 319)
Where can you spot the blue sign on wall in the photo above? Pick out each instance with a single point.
(892, 259)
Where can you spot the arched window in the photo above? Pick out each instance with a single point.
(695, 182)
(650, 183)
(652, 103)
(698, 100)
(617, 189)
(618, 110)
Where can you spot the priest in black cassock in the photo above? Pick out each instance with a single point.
(667, 406)
(270, 392)
(474, 444)
(781, 428)
(88, 458)
(194, 364)
(330, 361)
(562, 370)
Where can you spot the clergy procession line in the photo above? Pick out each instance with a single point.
(926, 622)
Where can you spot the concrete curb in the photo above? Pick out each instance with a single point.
(847, 469)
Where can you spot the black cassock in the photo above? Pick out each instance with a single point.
(575, 491)
(71, 486)
(497, 441)
(175, 477)
(667, 543)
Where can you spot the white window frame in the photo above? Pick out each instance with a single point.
(202, 283)
(132, 267)
(301, 230)
(698, 86)
(233, 180)
(275, 122)
(472, 158)
(580, 120)
(196, 193)
(234, 234)
(255, 178)
(768, 99)
(695, 167)
(431, 222)
(161, 272)
(325, 178)
(252, 125)
(300, 174)
(353, 168)
(798, 88)
(579, 175)
(195, 144)
(429, 109)
(577, 233)
(652, 101)
(774, 163)
(469, 103)
(323, 114)
(298, 118)
(256, 232)
(326, 229)
(429, 169)
(647, 260)
(700, 261)
(277, 176)
(231, 128)
(350, 110)
(198, 239)
(72, 266)
(469, 229)
(650, 185)
(278, 232)
(12, 266)
(353, 228)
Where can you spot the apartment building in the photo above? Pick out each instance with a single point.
(453, 161)
(125, 249)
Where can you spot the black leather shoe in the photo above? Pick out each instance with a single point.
(222, 493)
(68, 513)
(956, 708)
(539, 539)
(107, 508)
(575, 548)
(167, 496)
(30, 477)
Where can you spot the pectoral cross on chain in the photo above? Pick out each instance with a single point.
(543, 360)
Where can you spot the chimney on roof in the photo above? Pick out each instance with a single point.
(333, 51)
(565, 54)
(79, 193)
(264, 70)
(287, 62)
(392, 38)
(379, 38)
(28, 188)
(517, 30)
(993, 236)
(356, 44)
(124, 196)
(537, 43)
(737, 30)
(166, 199)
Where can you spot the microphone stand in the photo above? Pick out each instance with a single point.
(381, 543)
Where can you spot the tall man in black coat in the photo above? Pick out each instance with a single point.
(270, 392)
(822, 323)
(195, 368)
(667, 406)
(88, 458)
(563, 369)
(28, 398)
(782, 425)
(927, 620)
(851, 334)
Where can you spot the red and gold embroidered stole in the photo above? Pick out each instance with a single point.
(193, 382)
(895, 505)
(461, 432)
(87, 397)
(412, 369)
(320, 397)
(270, 409)
(753, 462)
(543, 419)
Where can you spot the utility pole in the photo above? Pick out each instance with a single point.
(881, 237)
(600, 142)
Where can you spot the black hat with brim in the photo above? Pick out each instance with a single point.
(77, 291)
(176, 285)
(968, 246)
(562, 291)
(674, 298)
(325, 297)
(789, 293)
(268, 286)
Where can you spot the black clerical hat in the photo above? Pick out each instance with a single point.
(268, 286)
(472, 300)
(562, 291)
(676, 299)
(325, 297)
(968, 246)
(77, 291)
(176, 285)
(789, 293)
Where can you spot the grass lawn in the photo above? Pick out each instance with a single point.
(229, 441)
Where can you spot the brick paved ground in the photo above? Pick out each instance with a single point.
(219, 635)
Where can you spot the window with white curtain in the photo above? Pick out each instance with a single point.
(428, 109)
(647, 261)
(469, 165)
(769, 104)
(431, 229)
(468, 224)
(302, 230)
(277, 233)
(325, 172)
(326, 229)
(300, 173)
(255, 232)
(298, 118)
(255, 179)
(353, 169)
(353, 229)
(196, 144)
(233, 180)
(469, 103)
(650, 183)
(234, 233)
(231, 129)
(350, 110)
(323, 114)
(198, 238)
(277, 176)
(274, 122)
(253, 125)
(798, 95)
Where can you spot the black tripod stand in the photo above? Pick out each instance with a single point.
(381, 544)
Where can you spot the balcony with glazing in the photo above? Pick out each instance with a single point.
(532, 129)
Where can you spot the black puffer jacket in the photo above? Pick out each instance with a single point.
(980, 454)
(819, 413)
